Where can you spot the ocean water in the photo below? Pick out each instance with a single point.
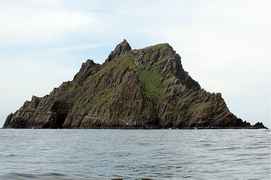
(134, 154)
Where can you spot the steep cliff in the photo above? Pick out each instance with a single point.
(140, 88)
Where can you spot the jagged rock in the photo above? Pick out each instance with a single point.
(142, 88)
(87, 68)
(121, 49)
(259, 125)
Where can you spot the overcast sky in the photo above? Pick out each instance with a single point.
(225, 45)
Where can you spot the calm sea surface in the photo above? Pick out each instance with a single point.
(134, 154)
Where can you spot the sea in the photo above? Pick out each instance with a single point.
(82, 154)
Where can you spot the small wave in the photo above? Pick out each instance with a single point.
(258, 147)
(45, 176)
(20, 176)
(54, 174)
(207, 145)
(225, 149)
(10, 155)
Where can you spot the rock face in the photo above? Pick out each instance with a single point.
(141, 88)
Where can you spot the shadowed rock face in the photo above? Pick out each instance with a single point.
(141, 88)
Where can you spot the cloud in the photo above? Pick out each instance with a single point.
(24, 21)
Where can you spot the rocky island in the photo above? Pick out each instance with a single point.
(133, 88)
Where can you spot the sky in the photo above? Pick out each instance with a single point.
(224, 45)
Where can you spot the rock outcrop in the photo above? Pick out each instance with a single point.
(140, 88)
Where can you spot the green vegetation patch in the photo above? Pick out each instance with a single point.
(126, 61)
(115, 66)
(104, 96)
(152, 82)
(158, 47)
